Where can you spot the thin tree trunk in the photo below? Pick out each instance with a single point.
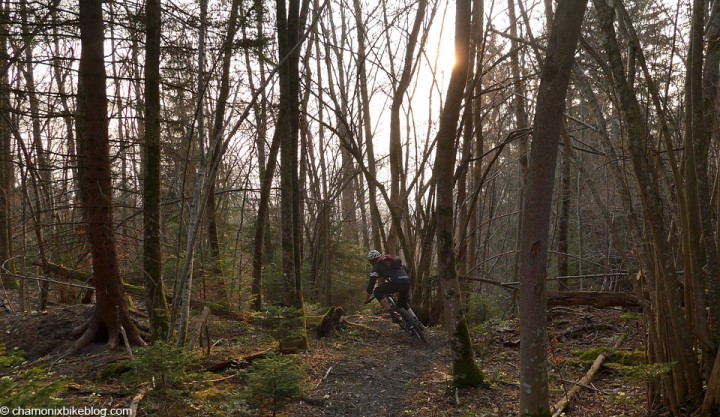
(475, 214)
(157, 307)
(686, 383)
(466, 372)
(263, 246)
(563, 224)
(521, 122)
(42, 175)
(555, 77)
(183, 293)
(397, 188)
(6, 160)
(218, 124)
(376, 219)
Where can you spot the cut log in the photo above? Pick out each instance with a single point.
(597, 299)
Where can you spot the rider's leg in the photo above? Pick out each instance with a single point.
(404, 294)
(380, 293)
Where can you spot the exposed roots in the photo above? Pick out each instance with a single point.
(96, 330)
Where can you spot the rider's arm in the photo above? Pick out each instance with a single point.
(371, 281)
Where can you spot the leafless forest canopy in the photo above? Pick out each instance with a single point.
(258, 150)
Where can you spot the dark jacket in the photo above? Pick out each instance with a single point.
(390, 268)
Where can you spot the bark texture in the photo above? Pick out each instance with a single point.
(534, 241)
(111, 309)
(466, 372)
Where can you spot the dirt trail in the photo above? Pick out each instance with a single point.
(373, 377)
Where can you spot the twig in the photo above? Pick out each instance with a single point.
(588, 387)
(323, 378)
(127, 342)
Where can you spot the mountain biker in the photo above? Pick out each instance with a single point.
(396, 280)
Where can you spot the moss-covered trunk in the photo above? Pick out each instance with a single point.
(157, 306)
(466, 371)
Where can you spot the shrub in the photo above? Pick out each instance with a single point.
(481, 308)
(169, 367)
(274, 381)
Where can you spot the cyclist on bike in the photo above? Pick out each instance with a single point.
(397, 280)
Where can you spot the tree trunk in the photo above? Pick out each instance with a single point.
(157, 307)
(43, 173)
(287, 130)
(668, 309)
(466, 372)
(697, 260)
(6, 160)
(521, 122)
(218, 125)
(711, 403)
(377, 231)
(183, 291)
(397, 188)
(555, 77)
(111, 309)
(263, 246)
(563, 225)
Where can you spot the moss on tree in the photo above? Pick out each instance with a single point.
(466, 372)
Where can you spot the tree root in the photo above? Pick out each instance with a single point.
(96, 329)
(363, 327)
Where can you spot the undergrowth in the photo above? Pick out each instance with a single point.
(31, 387)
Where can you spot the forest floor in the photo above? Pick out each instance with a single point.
(368, 369)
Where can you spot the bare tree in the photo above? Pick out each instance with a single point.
(6, 160)
(466, 371)
(534, 236)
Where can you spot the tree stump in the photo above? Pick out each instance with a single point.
(331, 322)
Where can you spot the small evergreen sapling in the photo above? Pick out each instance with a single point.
(274, 381)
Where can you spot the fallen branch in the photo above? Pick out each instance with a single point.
(585, 380)
(323, 378)
(242, 363)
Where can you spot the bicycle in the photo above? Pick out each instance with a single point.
(404, 319)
